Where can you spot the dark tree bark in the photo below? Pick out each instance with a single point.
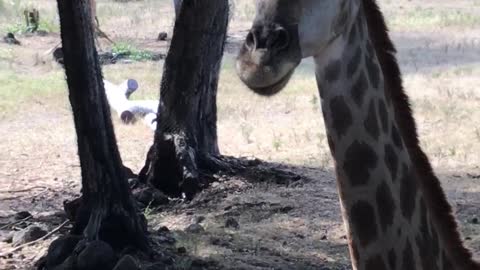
(112, 215)
(185, 141)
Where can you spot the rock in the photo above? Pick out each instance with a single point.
(163, 229)
(7, 237)
(162, 36)
(61, 249)
(199, 219)
(127, 262)
(10, 39)
(220, 242)
(97, 255)
(232, 223)
(475, 220)
(194, 228)
(29, 234)
(150, 196)
(22, 215)
(182, 250)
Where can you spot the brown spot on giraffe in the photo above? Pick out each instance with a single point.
(424, 240)
(392, 259)
(373, 72)
(386, 206)
(382, 112)
(341, 115)
(354, 63)
(407, 257)
(359, 88)
(446, 263)
(363, 220)
(360, 159)
(391, 160)
(332, 71)
(371, 122)
(408, 192)
(397, 140)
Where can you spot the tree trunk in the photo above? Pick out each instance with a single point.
(186, 136)
(107, 199)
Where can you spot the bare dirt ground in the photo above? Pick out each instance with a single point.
(281, 225)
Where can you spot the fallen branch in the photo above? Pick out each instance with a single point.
(20, 190)
(15, 222)
(59, 227)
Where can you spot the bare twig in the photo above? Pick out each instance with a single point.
(59, 227)
(21, 196)
(21, 190)
(15, 222)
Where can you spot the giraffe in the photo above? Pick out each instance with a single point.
(395, 212)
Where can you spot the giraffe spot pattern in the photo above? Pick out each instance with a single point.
(354, 63)
(373, 71)
(435, 245)
(397, 140)
(363, 222)
(370, 50)
(332, 71)
(360, 88)
(341, 115)
(385, 205)
(407, 257)
(391, 160)
(446, 264)
(361, 31)
(375, 263)
(392, 259)
(408, 192)
(382, 112)
(371, 122)
(359, 160)
(352, 35)
(424, 240)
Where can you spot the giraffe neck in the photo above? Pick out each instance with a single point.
(384, 210)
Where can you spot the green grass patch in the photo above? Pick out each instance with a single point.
(18, 89)
(21, 28)
(131, 52)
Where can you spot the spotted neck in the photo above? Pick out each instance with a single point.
(385, 212)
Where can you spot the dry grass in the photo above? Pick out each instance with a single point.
(438, 51)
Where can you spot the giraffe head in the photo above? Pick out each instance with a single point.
(284, 32)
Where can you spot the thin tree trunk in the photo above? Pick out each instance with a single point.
(186, 135)
(106, 194)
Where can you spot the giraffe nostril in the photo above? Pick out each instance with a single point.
(250, 40)
(280, 39)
